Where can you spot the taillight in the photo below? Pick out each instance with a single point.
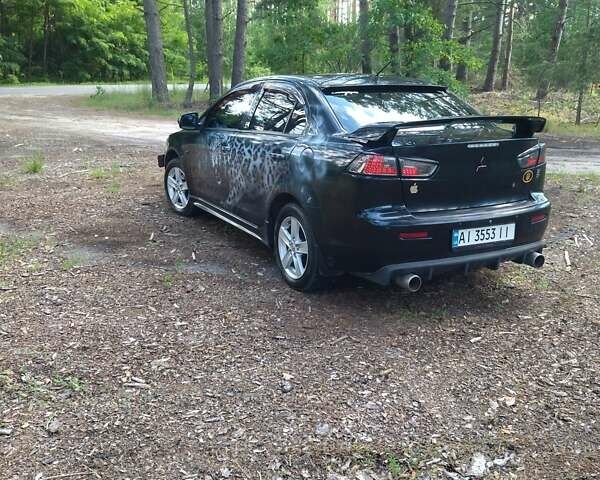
(533, 157)
(413, 167)
(381, 165)
(542, 157)
(374, 164)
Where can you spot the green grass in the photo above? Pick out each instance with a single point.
(70, 383)
(101, 173)
(572, 130)
(113, 187)
(34, 164)
(141, 101)
(13, 247)
(6, 180)
(167, 280)
(394, 466)
(71, 263)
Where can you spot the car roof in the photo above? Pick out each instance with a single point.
(343, 80)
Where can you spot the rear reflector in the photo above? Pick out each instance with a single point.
(374, 164)
(413, 235)
(540, 217)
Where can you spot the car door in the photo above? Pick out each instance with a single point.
(262, 151)
(210, 156)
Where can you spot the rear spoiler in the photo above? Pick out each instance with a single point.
(382, 134)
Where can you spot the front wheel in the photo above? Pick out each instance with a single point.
(296, 249)
(177, 190)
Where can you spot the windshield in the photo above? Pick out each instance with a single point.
(356, 108)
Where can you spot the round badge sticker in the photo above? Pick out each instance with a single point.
(528, 176)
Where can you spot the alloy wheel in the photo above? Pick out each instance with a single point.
(177, 188)
(292, 246)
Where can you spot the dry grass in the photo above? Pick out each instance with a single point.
(558, 109)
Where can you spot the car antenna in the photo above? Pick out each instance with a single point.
(383, 68)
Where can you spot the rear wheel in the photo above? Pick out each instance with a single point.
(177, 190)
(296, 249)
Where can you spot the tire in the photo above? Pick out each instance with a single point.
(176, 189)
(299, 265)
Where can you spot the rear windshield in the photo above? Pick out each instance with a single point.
(356, 108)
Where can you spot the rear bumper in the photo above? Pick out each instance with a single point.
(370, 241)
(465, 263)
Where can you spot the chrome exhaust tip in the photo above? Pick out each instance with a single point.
(410, 282)
(534, 259)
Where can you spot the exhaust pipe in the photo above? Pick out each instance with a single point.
(534, 259)
(410, 282)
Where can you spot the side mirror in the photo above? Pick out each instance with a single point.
(189, 121)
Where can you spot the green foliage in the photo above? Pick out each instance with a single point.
(83, 40)
(34, 164)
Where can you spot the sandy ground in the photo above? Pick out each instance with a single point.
(135, 344)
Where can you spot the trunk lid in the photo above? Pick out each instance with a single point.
(477, 159)
(467, 175)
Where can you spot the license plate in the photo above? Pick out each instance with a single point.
(481, 235)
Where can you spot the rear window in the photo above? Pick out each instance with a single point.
(356, 108)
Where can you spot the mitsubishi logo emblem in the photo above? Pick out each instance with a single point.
(481, 165)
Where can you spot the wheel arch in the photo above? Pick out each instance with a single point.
(170, 155)
(277, 203)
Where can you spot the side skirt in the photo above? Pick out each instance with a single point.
(228, 217)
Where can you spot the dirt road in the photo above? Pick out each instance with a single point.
(137, 344)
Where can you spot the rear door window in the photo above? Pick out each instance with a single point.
(297, 123)
(274, 111)
(232, 112)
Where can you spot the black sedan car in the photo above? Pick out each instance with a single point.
(389, 179)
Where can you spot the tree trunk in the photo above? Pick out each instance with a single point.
(449, 20)
(490, 78)
(508, 46)
(239, 44)
(46, 36)
(579, 107)
(160, 91)
(214, 45)
(394, 39)
(2, 19)
(559, 27)
(31, 32)
(461, 69)
(583, 69)
(187, 14)
(363, 32)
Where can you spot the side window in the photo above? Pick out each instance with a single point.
(297, 123)
(273, 112)
(232, 112)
